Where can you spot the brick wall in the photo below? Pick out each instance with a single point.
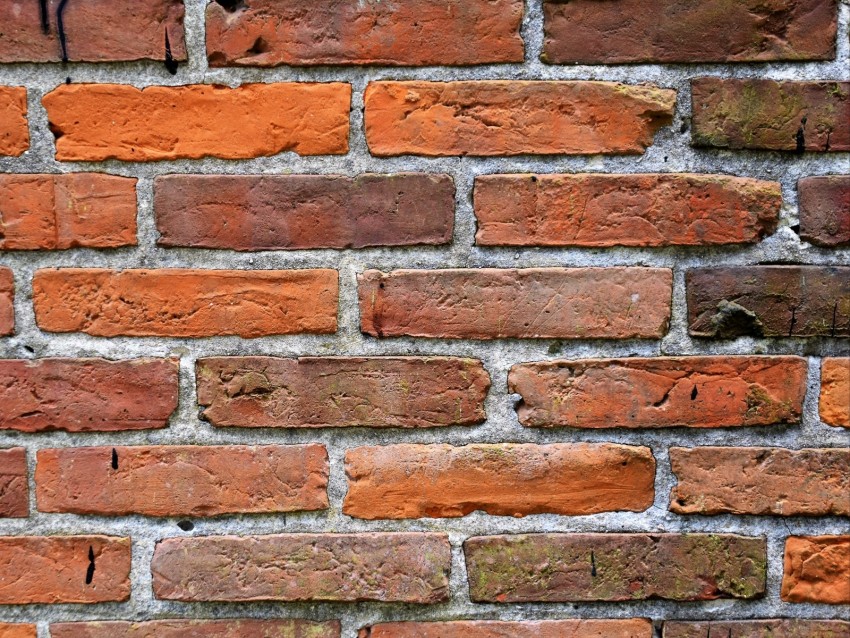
(425, 318)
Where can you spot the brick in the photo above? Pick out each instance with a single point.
(569, 303)
(414, 32)
(614, 567)
(499, 117)
(825, 210)
(759, 480)
(393, 567)
(44, 212)
(18, 630)
(7, 301)
(660, 392)
(630, 628)
(14, 489)
(816, 569)
(231, 628)
(441, 481)
(769, 301)
(64, 569)
(311, 392)
(592, 32)
(623, 210)
(182, 480)
(835, 392)
(770, 114)
(14, 129)
(769, 628)
(87, 395)
(186, 302)
(95, 122)
(288, 212)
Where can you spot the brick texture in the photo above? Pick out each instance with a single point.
(14, 490)
(825, 210)
(835, 392)
(18, 630)
(816, 569)
(778, 628)
(239, 628)
(14, 128)
(7, 299)
(631, 628)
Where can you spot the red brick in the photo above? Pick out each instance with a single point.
(592, 32)
(310, 392)
(630, 628)
(771, 628)
(441, 481)
(660, 392)
(232, 628)
(569, 303)
(395, 567)
(769, 301)
(14, 129)
(623, 210)
(413, 32)
(835, 392)
(768, 114)
(501, 117)
(816, 569)
(43, 212)
(758, 480)
(17, 630)
(7, 300)
(182, 480)
(95, 122)
(288, 212)
(87, 395)
(186, 303)
(825, 210)
(58, 569)
(14, 489)
(613, 567)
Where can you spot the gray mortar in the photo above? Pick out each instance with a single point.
(670, 152)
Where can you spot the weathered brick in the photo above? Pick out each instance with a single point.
(770, 114)
(14, 129)
(630, 628)
(309, 392)
(441, 481)
(769, 301)
(287, 212)
(94, 122)
(570, 303)
(825, 210)
(186, 303)
(413, 32)
(14, 489)
(592, 32)
(231, 628)
(43, 212)
(770, 628)
(182, 480)
(18, 630)
(87, 395)
(659, 392)
(816, 569)
(394, 567)
(758, 480)
(623, 210)
(64, 569)
(612, 567)
(835, 392)
(513, 117)
(7, 300)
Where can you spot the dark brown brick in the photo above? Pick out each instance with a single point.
(232, 628)
(772, 628)
(573, 628)
(14, 488)
(825, 210)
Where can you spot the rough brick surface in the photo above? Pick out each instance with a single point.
(513, 118)
(835, 392)
(287, 212)
(592, 32)
(778, 628)
(697, 392)
(58, 569)
(816, 569)
(825, 210)
(413, 32)
(238, 628)
(733, 480)
(311, 392)
(42, 212)
(7, 298)
(571, 303)
(631, 628)
(18, 630)
(87, 395)
(611, 567)
(14, 490)
(14, 129)
(395, 567)
(182, 480)
(768, 114)
(94, 122)
(769, 301)
(439, 481)
(186, 303)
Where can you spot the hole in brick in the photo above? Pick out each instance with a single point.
(90, 570)
(592, 564)
(114, 459)
(694, 393)
(534, 178)
(259, 47)
(186, 526)
(57, 132)
(231, 5)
